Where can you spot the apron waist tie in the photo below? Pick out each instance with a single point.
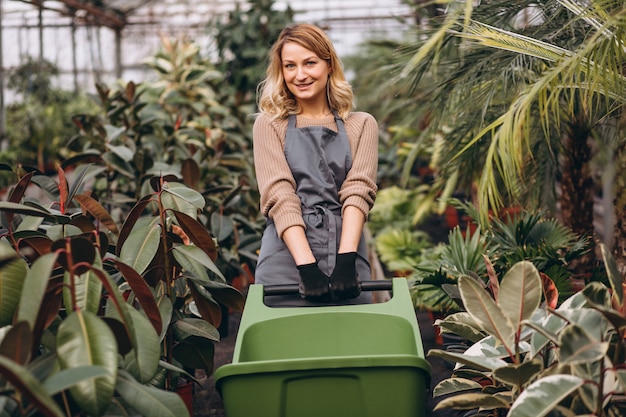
(315, 216)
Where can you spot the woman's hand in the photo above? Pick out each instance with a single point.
(344, 281)
(313, 283)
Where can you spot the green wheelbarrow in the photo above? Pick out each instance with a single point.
(362, 360)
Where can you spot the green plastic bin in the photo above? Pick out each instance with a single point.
(363, 360)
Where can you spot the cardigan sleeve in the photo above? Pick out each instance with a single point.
(359, 188)
(277, 187)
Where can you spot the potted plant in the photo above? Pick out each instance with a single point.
(98, 316)
(529, 357)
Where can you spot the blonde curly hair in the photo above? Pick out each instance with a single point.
(275, 99)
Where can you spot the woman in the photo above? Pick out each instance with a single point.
(316, 164)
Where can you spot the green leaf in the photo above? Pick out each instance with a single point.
(576, 346)
(612, 271)
(114, 132)
(621, 376)
(195, 260)
(119, 165)
(490, 347)
(592, 320)
(222, 226)
(67, 378)
(518, 375)
(181, 197)
(24, 209)
(486, 312)
(142, 244)
(520, 292)
(143, 360)
(598, 294)
(189, 326)
(165, 309)
(546, 331)
(132, 218)
(543, 395)
(60, 231)
(88, 290)
(122, 152)
(150, 401)
(29, 387)
(37, 280)
(455, 385)
(472, 400)
(225, 294)
(12, 275)
(83, 339)
(477, 362)
(195, 352)
(462, 325)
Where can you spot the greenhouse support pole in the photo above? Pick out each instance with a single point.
(40, 16)
(118, 53)
(2, 110)
(74, 59)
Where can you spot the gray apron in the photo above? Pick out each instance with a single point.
(319, 159)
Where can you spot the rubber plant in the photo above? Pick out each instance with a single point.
(530, 358)
(96, 316)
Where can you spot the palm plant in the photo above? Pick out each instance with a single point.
(523, 92)
(494, 247)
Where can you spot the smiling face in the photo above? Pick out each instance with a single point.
(305, 74)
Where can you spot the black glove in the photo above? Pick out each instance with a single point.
(344, 281)
(313, 283)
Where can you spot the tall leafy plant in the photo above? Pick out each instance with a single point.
(98, 316)
(181, 124)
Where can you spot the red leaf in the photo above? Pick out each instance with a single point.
(131, 219)
(18, 193)
(197, 233)
(550, 292)
(209, 310)
(142, 293)
(494, 284)
(98, 211)
(29, 387)
(17, 343)
(32, 247)
(63, 191)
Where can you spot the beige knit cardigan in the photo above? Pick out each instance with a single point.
(277, 186)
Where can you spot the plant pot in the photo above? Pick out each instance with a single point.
(452, 217)
(434, 316)
(185, 391)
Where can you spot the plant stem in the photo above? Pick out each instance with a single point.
(169, 281)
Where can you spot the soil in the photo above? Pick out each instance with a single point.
(208, 403)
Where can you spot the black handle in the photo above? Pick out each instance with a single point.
(288, 289)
